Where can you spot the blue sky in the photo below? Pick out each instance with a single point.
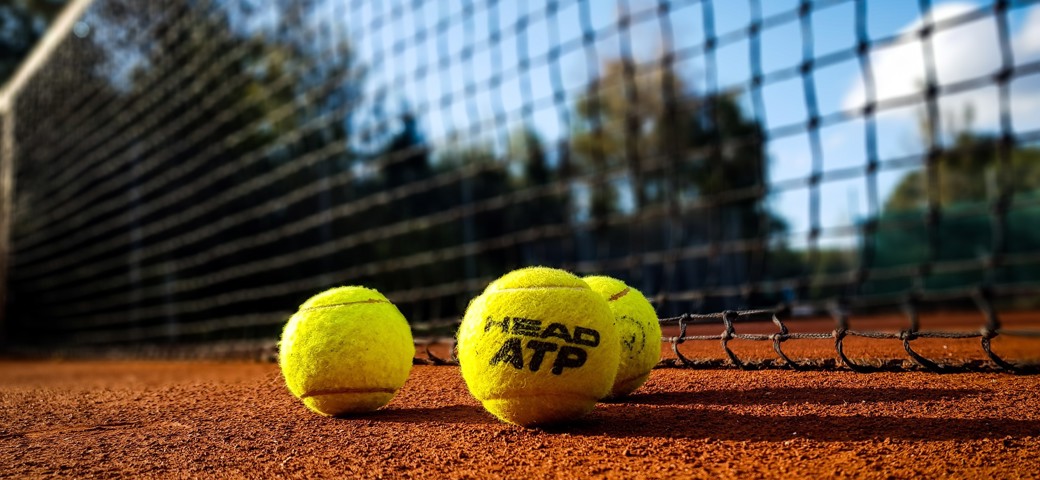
(420, 55)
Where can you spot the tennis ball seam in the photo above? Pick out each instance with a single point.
(620, 294)
(339, 391)
(345, 304)
(525, 289)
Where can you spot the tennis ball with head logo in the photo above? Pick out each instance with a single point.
(538, 347)
(347, 350)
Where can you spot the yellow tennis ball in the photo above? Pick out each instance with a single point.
(538, 347)
(638, 330)
(347, 350)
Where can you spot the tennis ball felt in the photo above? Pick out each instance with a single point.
(638, 331)
(538, 347)
(347, 350)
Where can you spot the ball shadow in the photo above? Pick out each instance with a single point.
(796, 395)
(451, 414)
(682, 415)
(672, 422)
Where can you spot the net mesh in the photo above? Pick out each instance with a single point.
(186, 172)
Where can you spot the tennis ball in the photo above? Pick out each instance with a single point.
(638, 331)
(347, 350)
(538, 347)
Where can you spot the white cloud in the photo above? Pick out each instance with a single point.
(961, 53)
(1030, 38)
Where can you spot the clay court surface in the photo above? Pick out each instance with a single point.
(196, 419)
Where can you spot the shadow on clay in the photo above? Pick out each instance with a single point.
(684, 422)
(678, 415)
(797, 395)
(454, 414)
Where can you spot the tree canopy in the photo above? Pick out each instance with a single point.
(969, 171)
(22, 23)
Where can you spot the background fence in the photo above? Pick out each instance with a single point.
(186, 172)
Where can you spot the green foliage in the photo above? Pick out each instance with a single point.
(642, 134)
(227, 94)
(969, 177)
(670, 144)
(963, 237)
(530, 159)
(969, 171)
(22, 23)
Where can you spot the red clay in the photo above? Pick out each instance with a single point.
(164, 419)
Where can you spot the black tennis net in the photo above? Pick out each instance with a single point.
(186, 172)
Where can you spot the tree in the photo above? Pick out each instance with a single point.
(671, 142)
(969, 177)
(22, 23)
(196, 92)
(619, 126)
(530, 158)
(642, 131)
(969, 171)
